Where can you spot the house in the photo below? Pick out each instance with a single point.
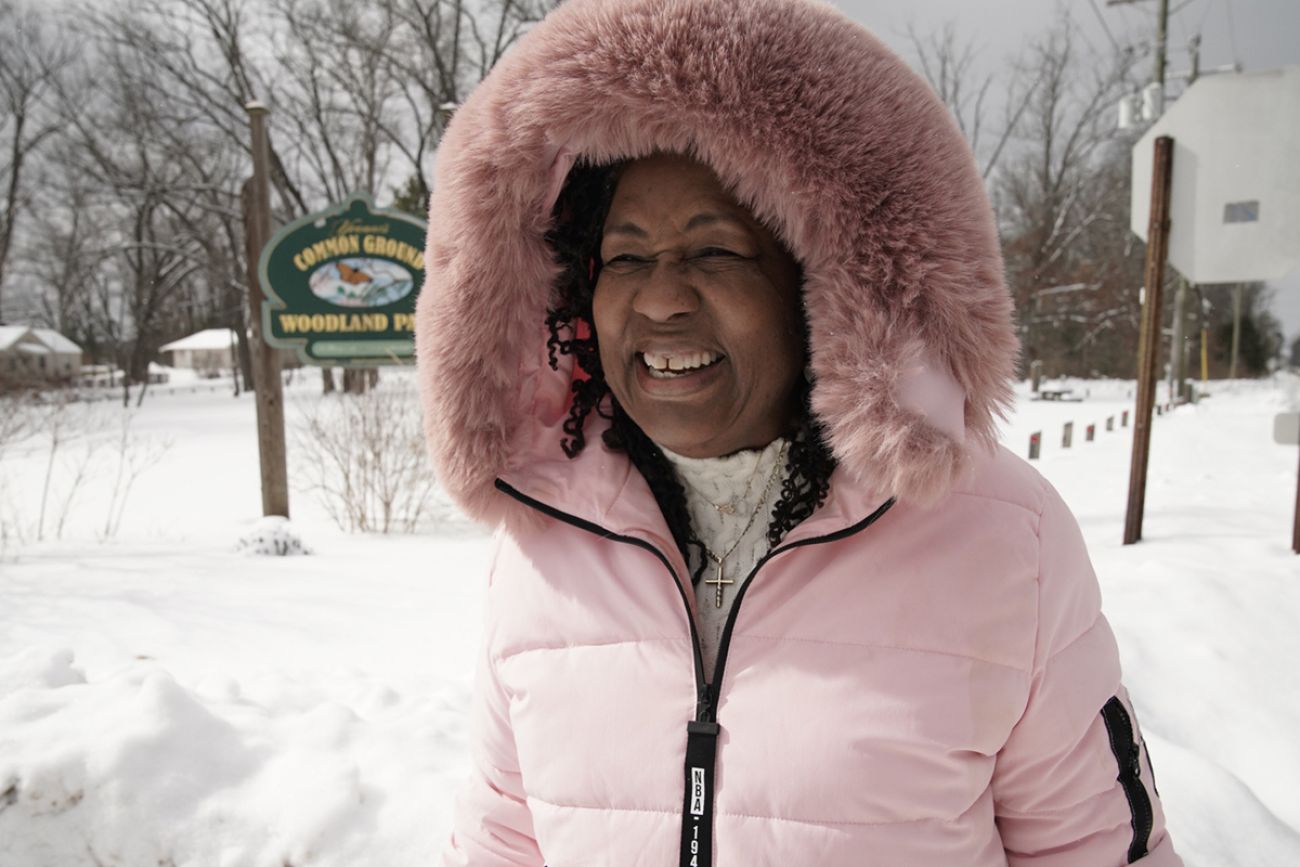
(31, 356)
(210, 352)
(213, 352)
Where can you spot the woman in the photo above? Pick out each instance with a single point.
(714, 331)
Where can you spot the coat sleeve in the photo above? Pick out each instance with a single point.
(1073, 785)
(493, 826)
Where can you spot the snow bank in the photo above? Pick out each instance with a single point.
(135, 768)
(166, 700)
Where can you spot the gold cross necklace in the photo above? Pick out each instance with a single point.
(719, 580)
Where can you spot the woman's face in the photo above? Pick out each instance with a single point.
(697, 312)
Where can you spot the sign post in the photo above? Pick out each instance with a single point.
(1234, 206)
(266, 364)
(1149, 337)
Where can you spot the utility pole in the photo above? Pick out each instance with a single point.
(1177, 347)
(1177, 351)
(266, 364)
(1162, 30)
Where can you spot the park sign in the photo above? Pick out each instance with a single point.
(340, 285)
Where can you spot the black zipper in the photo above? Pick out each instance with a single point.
(1123, 743)
(701, 695)
(701, 732)
(725, 642)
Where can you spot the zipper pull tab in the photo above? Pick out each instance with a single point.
(697, 812)
(704, 705)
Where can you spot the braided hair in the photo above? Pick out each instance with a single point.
(577, 223)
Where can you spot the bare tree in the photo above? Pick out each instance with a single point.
(1063, 207)
(141, 235)
(31, 59)
(949, 64)
(119, 140)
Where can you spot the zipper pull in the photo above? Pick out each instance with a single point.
(697, 812)
(704, 705)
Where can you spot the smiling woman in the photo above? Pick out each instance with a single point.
(697, 308)
(715, 333)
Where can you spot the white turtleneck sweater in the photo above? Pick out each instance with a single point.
(739, 483)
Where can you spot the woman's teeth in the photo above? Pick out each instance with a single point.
(665, 366)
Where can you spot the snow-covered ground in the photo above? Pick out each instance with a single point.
(167, 700)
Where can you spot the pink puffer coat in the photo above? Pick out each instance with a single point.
(920, 673)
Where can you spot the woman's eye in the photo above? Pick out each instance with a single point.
(625, 260)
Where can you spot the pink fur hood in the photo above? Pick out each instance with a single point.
(824, 133)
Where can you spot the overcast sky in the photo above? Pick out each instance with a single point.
(1258, 34)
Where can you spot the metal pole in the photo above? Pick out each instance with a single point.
(1149, 337)
(266, 364)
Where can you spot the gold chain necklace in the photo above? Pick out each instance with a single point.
(729, 507)
(719, 580)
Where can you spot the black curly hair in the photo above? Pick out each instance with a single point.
(577, 224)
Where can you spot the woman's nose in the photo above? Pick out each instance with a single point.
(667, 293)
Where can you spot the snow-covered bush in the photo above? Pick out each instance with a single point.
(272, 536)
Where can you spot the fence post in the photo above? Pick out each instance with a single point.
(1090, 433)
(1110, 423)
(1035, 442)
(1123, 419)
(1067, 435)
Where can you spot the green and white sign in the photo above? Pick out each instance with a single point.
(341, 284)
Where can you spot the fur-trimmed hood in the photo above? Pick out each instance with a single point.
(813, 124)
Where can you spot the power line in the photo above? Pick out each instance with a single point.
(1104, 25)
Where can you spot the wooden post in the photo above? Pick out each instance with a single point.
(1110, 423)
(1295, 531)
(266, 364)
(1090, 433)
(1149, 336)
(1035, 444)
(1067, 434)
(1123, 419)
(1236, 330)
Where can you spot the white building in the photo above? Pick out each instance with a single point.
(36, 355)
(210, 352)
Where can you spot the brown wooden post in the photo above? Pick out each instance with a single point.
(266, 364)
(1295, 532)
(1067, 435)
(1149, 337)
